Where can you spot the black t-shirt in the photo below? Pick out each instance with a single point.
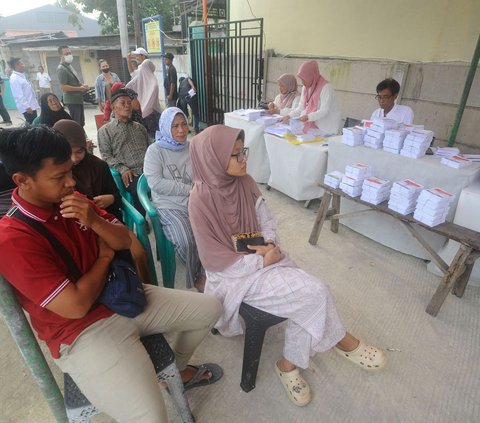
(171, 78)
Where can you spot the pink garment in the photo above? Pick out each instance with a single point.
(290, 83)
(220, 205)
(311, 100)
(146, 85)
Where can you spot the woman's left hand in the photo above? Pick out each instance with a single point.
(261, 250)
(303, 118)
(103, 201)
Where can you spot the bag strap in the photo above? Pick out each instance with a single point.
(73, 269)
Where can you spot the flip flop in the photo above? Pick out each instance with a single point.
(197, 379)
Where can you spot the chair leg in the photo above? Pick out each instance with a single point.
(171, 375)
(254, 336)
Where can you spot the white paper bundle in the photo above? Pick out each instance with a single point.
(249, 114)
(457, 162)
(358, 171)
(404, 195)
(353, 136)
(446, 152)
(382, 124)
(373, 139)
(416, 143)
(375, 190)
(393, 141)
(433, 206)
(333, 179)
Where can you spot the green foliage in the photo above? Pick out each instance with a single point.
(108, 18)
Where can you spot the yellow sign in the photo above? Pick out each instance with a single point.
(152, 35)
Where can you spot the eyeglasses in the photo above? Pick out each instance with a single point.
(383, 97)
(242, 155)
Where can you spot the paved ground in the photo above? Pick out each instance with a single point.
(433, 373)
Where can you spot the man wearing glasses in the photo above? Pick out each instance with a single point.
(387, 93)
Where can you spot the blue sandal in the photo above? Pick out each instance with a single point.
(197, 379)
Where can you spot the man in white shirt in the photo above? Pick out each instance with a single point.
(22, 90)
(43, 80)
(387, 93)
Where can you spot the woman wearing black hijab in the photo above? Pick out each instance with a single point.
(51, 110)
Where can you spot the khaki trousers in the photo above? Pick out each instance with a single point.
(112, 368)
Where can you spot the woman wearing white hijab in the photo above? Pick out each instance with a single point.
(168, 170)
(145, 84)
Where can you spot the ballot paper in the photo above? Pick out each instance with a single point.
(457, 162)
(358, 171)
(268, 120)
(333, 179)
(383, 123)
(249, 114)
(409, 127)
(353, 136)
(393, 140)
(404, 195)
(433, 206)
(374, 138)
(375, 190)
(192, 92)
(416, 143)
(352, 191)
(278, 129)
(446, 151)
(472, 157)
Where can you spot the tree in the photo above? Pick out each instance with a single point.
(108, 18)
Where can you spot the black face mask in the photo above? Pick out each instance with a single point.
(106, 70)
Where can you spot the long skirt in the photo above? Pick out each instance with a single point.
(178, 230)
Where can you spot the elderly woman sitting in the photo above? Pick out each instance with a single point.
(289, 97)
(168, 170)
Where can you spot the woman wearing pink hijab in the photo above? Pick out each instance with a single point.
(317, 107)
(225, 204)
(289, 97)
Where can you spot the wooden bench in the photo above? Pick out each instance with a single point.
(455, 275)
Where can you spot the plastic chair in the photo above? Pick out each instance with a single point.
(75, 407)
(121, 187)
(137, 223)
(256, 324)
(165, 249)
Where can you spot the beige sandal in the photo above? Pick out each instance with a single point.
(298, 389)
(365, 356)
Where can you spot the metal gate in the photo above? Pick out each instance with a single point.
(227, 66)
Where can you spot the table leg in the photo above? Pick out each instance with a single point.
(336, 209)
(461, 284)
(321, 215)
(448, 281)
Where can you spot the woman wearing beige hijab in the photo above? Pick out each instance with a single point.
(145, 84)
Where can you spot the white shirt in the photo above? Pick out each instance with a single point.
(23, 92)
(43, 80)
(286, 110)
(327, 117)
(402, 114)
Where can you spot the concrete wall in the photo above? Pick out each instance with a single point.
(432, 90)
(405, 30)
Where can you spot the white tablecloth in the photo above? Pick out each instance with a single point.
(466, 215)
(296, 170)
(427, 171)
(258, 166)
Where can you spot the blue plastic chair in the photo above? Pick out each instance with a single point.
(165, 249)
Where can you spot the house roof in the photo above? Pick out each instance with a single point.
(47, 19)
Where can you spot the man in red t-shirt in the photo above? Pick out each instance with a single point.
(101, 350)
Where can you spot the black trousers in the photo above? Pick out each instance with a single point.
(3, 112)
(77, 113)
(30, 117)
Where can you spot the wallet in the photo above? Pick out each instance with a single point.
(241, 240)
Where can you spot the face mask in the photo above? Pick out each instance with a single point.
(68, 58)
(106, 70)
